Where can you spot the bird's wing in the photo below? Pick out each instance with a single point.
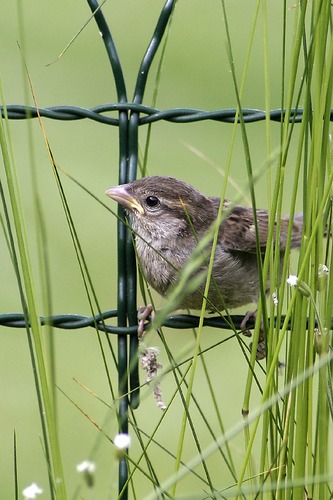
(238, 230)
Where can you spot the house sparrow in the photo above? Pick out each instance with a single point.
(169, 217)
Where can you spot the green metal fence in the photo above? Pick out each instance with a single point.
(129, 115)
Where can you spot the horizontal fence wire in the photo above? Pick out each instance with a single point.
(175, 115)
(178, 321)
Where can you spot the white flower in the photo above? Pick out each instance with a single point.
(122, 441)
(303, 288)
(86, 466)
(292, 280)
(323, 270)
(87, 469)
(32, 491)
(275, 299)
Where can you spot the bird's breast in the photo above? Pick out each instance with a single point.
(234, 281)
(160, 263)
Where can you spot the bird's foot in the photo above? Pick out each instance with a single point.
(249, 315)
(261, 347)
(143, 314)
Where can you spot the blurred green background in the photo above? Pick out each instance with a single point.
(195, 74)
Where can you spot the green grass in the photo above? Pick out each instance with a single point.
(232, 427)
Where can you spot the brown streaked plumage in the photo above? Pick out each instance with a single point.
(159, 209)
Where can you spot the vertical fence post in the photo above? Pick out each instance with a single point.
(128, 159)
(121, 238)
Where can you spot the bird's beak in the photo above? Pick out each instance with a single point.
(122, 194)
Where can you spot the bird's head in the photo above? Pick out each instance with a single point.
(164, 206)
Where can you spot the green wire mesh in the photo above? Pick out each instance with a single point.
(152, 115)
(129, 116)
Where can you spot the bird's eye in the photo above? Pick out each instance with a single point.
(152, 201)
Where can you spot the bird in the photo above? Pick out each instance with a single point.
(169, 217)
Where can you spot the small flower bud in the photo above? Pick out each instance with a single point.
(121, 441)
(320, 341)
(275, 299)
(87, 468)
(31, 492)
(323, 273)
(305, 290)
